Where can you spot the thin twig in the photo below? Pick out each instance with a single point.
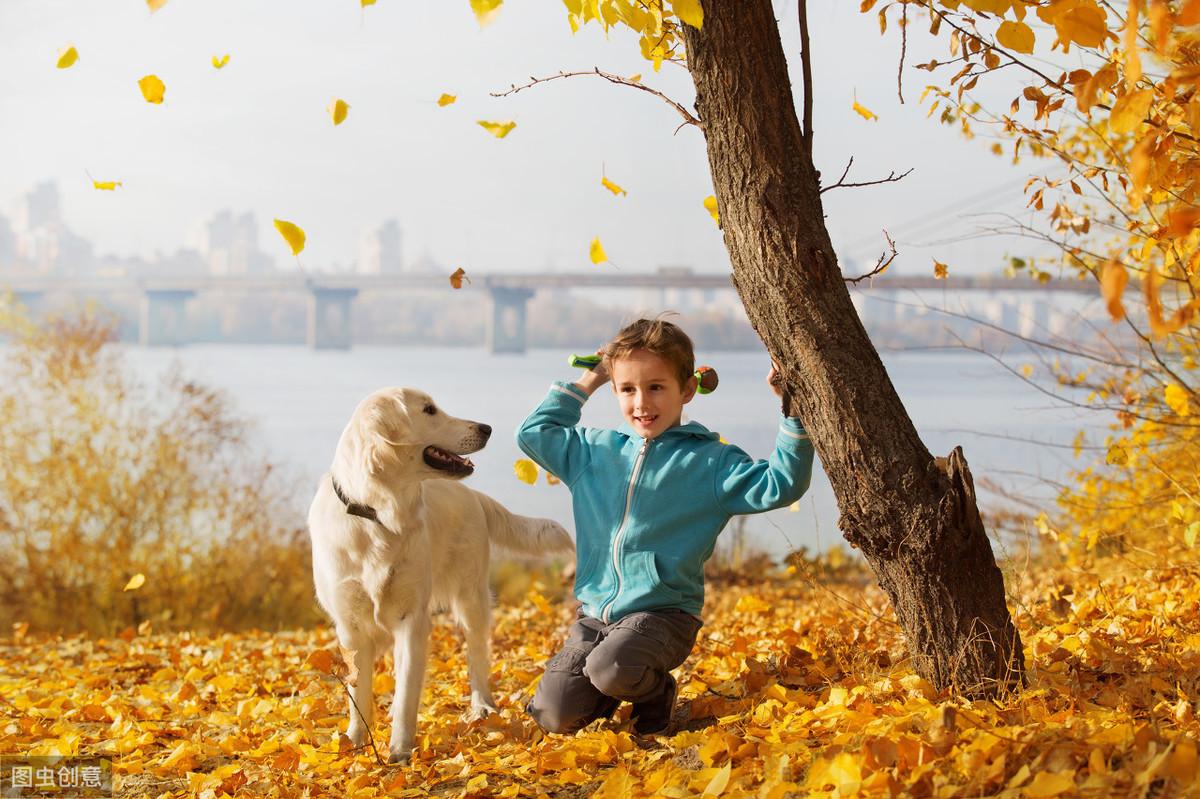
(880, 265)
(903, 50)
(361, 717)
(891, 178)
(688, 118)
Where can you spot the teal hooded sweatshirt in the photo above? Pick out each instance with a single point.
(648, 512)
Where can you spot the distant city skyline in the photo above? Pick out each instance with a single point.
(254, 137)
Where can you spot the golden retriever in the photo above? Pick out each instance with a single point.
(395, 535)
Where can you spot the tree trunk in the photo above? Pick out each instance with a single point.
(917, 524)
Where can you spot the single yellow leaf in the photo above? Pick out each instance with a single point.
(1015, 36)
(446, 99)
(526, 471)
(613, 187)
(596, 252)
(337, 111)
(864, 112)
(486, 10)
(155, 5)
(1130, 110)
(497, 129)
(1112, 284)
(710, 205)
(106, 185)
(135, 582)
(365, 3)
(67, 57)
(635, 77)
(220, 62)
(292, 234)
(153, 89)
(940, 270)
(716, 786)
(1177, 399)
(689, 12)
(1048, 784)
(456, 279)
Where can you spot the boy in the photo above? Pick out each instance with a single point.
(649, 500)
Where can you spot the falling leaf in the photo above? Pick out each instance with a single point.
(552, 480)
(219, 63)
(292, 234)
(152, 88)
(446, 99)
(940, 270)
(486, 10)
(710, 205)
(456, 279)
(689, 12)
(365, 3)
(106, 185)
(1112, 283)
(635, 77)
(135, 582)
(498, 129)
(337, 111)
(1015, 36)
(864, 112)
(596, 252)
(613, 187)
(67, 57)
(526, 471)
(1176, 398)
(155, 5)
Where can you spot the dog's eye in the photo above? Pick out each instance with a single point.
(429, 409)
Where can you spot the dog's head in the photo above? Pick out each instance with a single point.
(402, 432)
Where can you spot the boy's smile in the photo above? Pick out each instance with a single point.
(649, 392)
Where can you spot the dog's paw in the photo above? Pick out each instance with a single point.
(400, 756)
(480, 712)
(355, 736)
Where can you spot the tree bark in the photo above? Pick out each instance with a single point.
(916, 523)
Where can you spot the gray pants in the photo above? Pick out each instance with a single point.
(602, 665)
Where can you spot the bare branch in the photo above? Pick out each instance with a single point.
(688, 117)
(880, 265)
(892, 177)
(903, 50)
(806, 65)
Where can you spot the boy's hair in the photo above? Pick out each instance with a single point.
(658, 336)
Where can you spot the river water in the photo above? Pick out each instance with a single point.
(298, 401)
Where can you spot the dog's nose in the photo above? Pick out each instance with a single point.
(486, 429)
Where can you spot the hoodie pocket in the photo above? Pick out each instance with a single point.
(647, 571)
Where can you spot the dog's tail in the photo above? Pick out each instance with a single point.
(524, 534)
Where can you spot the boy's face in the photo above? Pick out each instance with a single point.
(649, 392)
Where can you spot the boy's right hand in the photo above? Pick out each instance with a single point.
(595, 377)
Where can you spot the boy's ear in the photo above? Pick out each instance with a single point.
(689, 389)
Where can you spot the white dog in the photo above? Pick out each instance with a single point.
(394, 536)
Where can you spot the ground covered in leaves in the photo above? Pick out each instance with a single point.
(796, 687)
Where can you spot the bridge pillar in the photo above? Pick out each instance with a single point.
(506, 320)
(329, 318)
(163, 319)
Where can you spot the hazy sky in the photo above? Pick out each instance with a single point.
(255, 136)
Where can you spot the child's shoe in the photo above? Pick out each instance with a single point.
(654, 716)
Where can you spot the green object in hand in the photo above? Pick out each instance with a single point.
(584, 361)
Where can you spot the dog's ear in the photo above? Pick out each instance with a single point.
(374, 434)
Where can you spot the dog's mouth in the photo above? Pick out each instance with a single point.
(440, 459)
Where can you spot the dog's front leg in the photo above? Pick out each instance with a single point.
(362, 696)
(410, 654)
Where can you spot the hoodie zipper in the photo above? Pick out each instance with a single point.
(616, 550)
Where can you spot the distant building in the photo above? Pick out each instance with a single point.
(380, 252)
(228, 243)
(42, 242)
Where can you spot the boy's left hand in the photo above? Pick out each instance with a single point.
(775, 380)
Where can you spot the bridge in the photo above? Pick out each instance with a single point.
(162, 316)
